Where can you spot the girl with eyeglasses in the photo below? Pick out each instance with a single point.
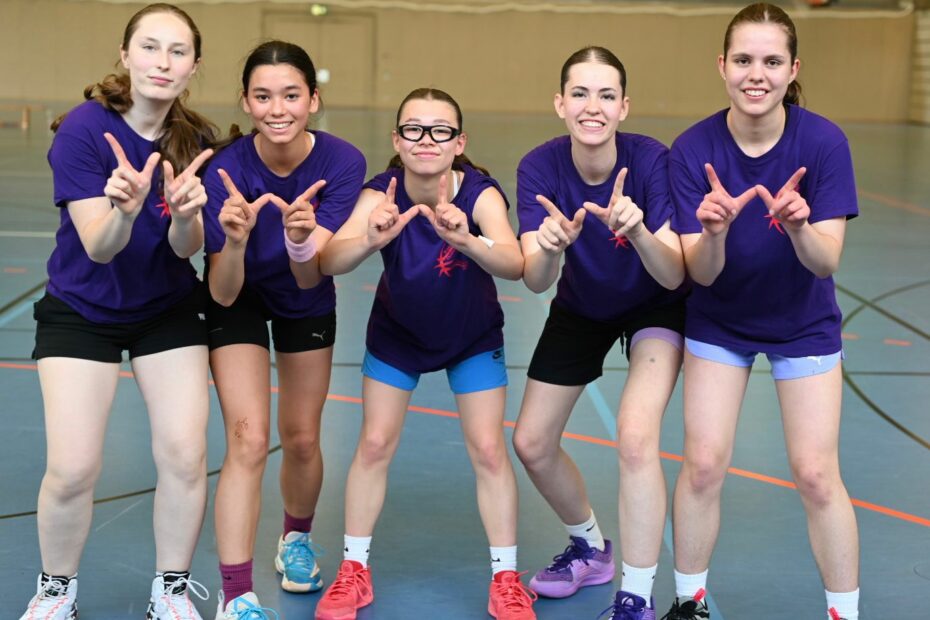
(440, 223)
(276, 198)
(596, 202)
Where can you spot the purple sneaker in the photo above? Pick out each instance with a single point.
(578, 566)
(628, 606)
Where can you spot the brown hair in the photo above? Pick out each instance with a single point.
(434, 94)
(184, 133)
(764, 13)
(593, 53)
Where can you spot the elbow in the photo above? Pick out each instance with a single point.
(674, 281)
(825, 271)
(100, 258)
(536, 287)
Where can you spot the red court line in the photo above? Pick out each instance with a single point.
(894, 203)
(897, 343)
(508, 298)
(849, 336)
(599, 441)
(14, 270)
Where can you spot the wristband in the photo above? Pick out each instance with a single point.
(300, 252)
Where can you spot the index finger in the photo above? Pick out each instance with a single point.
(231, 188)
(794, 180)
(197, 163)
(715, 183)
(618, 184)
(117, 150)
(312, 191)
(550, 207)
(443, 190)
(391, 188)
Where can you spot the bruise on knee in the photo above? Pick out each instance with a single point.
(242, 425)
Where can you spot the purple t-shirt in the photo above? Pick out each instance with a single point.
(603, 277)
(146, 277)
(267, 266)
(765, 299)
(434, 306)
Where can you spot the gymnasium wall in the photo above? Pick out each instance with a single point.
(856, 64)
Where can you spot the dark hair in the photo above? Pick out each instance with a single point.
(274, 53)
(596, 54)
(764, 13)
(434, 94)
(184, 133)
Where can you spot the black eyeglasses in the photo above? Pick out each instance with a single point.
(438, 133)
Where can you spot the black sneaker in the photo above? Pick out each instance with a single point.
(688, 608)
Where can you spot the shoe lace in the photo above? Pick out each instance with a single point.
(563, 560)
(682, 611)
(301, 553)
(245, 610)
(346, 585)
(514, 595)
(49, 598)
(623, 608)
(175, 594)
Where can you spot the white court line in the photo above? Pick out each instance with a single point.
(119, 514)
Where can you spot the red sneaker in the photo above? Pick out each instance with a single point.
(509, 599)
(350, 591)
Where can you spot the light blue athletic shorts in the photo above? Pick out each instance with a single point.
(782, 367)
(484, 371)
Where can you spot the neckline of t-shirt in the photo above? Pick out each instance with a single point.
(265, 170)
(135, 134)
(611, 178)
(791, 120)
(401, 174)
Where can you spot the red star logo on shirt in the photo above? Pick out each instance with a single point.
(620, 241)
(445, 263)
(163, 205)
(773, 223)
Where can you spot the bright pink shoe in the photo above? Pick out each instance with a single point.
(509, 599)
(349, 592)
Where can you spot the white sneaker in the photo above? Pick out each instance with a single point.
(53, 601)
(173, 602)
(245, 607)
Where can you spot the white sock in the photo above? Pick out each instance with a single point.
(357, 548)
(589, 531)
(503, 558)
(846, 604)
(638, 581)
(686, 586)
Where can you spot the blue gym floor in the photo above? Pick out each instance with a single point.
(429, 555)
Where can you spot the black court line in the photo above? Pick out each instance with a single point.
(847, 377)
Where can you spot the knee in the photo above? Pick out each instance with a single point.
(532, 451)
(817, 482)
(704, 471)
(635, 448)
(304, 447)
(375, 449)
(489, 455)
(71, 479)
(248, 446)
(182, 458)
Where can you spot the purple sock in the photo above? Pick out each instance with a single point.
(237, 579)
(296, 524)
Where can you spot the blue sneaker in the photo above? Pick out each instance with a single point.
(296, 561)
(628, 606)
(245, 607)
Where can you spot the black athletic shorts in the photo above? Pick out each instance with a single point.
(62, 332)
(245, 322)
(572, 348)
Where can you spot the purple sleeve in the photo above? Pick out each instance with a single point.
(834, 186)
(687, 191)
(531, 180)
(79, 169)
(214, 237)
(658, 201)
(338, 197)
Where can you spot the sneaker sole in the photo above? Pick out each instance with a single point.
(296, 587)
(570, 589)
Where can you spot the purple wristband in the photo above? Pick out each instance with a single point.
(300, 252)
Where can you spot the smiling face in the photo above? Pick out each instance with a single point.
(592, 103)
(426, 156)
(279, 102)
(160, 57)
(758, 68)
